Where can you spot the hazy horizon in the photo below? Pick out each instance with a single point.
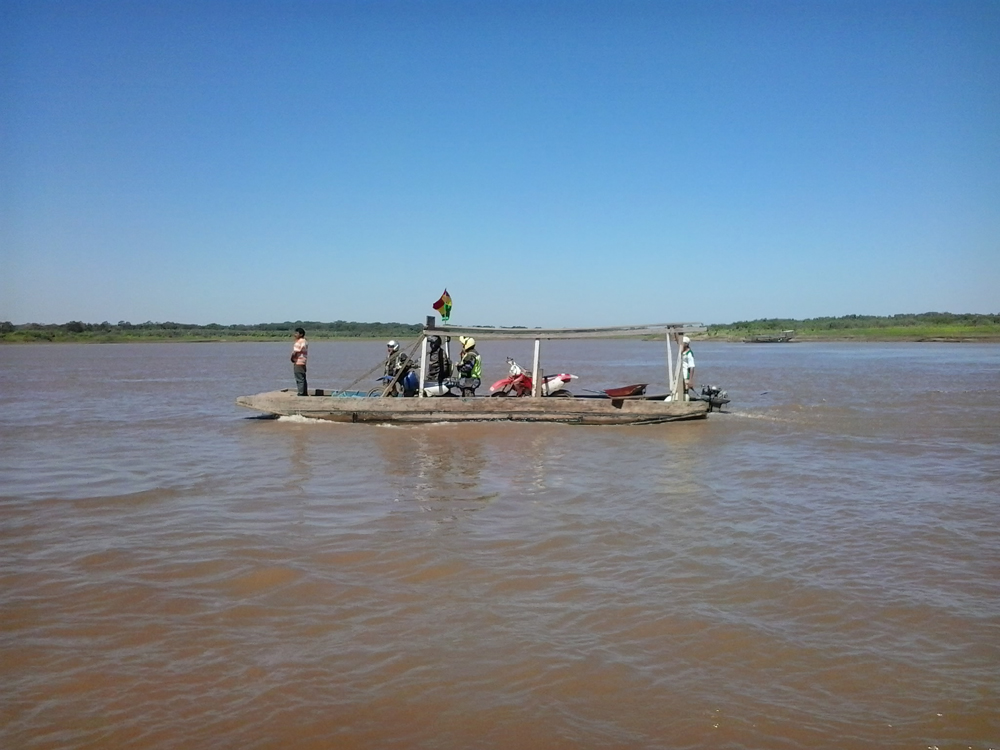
(499, 325)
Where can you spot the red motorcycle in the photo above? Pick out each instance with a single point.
(518, 383)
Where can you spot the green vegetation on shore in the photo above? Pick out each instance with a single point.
(123, 331)
(930, 326)
(908, 327)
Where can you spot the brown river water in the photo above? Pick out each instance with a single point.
(817, 568)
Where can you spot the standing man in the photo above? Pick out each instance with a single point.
(687, 365)
(300, 352)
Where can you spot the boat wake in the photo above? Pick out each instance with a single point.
(299, 419)
(762, 417)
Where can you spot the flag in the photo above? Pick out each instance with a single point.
(443, 306)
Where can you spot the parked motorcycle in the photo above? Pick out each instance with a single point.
(406, 385)
(447, 387)
(519, 382)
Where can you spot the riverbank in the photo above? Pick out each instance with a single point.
(984, 339)
(882, 335)
(930, 326)
(879, 336)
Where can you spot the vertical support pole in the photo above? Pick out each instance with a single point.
(670, 365)
(423, 367)
(536, 375)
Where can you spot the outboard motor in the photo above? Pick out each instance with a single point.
(715, 396)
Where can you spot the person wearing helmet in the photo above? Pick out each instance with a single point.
(687, 364)
(396, 363)
(470, 366)
(438, 364)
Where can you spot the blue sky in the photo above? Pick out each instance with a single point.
(550, 163)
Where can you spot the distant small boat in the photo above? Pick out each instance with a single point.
(770, 338)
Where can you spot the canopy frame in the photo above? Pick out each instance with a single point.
(672, 333)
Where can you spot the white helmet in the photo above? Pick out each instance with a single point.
(686, 340)
(393, 345)
(467, 342)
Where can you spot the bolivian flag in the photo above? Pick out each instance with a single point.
(443, 306)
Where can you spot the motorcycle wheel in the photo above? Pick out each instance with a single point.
(561, 394)
(498, 393)
(375, 392)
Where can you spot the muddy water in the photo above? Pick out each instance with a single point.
(818, 568)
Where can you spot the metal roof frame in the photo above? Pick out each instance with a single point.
(487, 333)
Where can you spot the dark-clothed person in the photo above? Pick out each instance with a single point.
(438, 364)
(398, 367)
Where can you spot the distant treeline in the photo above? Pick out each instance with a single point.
(904, 326)
(907, 325)
(123, 330)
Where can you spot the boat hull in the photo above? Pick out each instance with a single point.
(570, 410)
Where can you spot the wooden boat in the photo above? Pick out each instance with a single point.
(626, 390)
(572, 409)
(615, 406)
